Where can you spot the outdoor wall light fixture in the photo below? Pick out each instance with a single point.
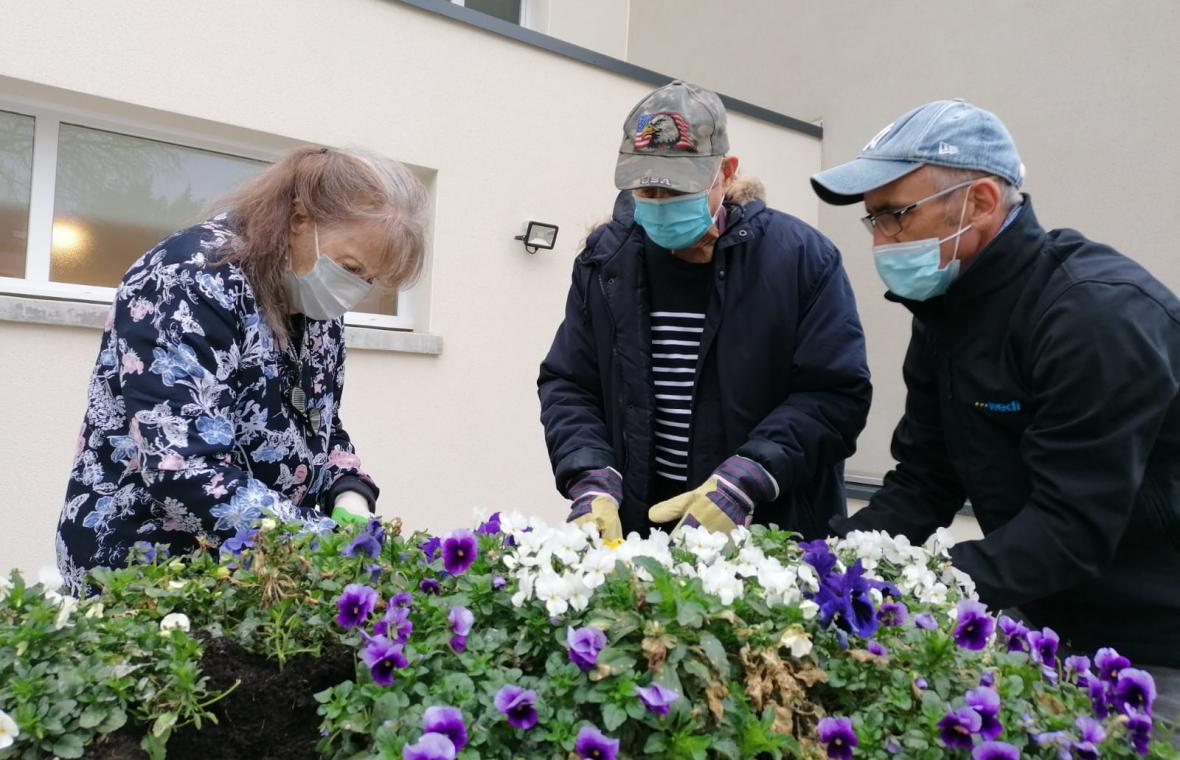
(538, 236)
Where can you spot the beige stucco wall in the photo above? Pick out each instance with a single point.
(1087, 88)
(513, 133)
(600, 25)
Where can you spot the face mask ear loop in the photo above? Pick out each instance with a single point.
(959, 234)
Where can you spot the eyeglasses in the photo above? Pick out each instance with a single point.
(888, 223)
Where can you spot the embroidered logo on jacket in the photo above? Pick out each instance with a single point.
(993, 406)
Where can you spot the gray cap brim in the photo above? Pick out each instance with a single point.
(847, 183)
(681, 173)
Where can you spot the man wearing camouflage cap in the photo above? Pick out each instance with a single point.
(1043, 384)
(711, 362)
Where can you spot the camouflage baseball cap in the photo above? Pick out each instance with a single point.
(675, 138)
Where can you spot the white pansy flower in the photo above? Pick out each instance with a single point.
(175, 621)
(796, 640)
(268, 523)
(8, 730)
(524, 588)
(578, 592)
(65, 606)
(941, 542)
(50, 578)
(176, 585)
(95, 610)
(809, 609)
(553, 590)
(719, 579)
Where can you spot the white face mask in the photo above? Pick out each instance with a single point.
(327, 291)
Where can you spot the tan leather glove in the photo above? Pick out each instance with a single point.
(596, 495)
(724, 501)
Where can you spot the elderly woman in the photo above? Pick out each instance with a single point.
(215, 398)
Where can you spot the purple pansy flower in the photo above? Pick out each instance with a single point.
(657, 698)
(592, 744)
(243, 539)
(430, 547)
(995, 751)
(383, 657)
(1139, 730)
(1099, 691)
(986, 702)
(877, 649)
(362, 543)
(920, 683)
(1015, 634)
(490, 526)
(430, 586)
(838, 737)
(973, 625)
(396, 625)
(892, 614)
(355, 605)
(819, 555)
(1078, 665)
(987, 678)
(1135, 690)
(925, 621)
(430, 747)
(957, 726)
(459, 550)
(1108, 663)
(892, 746)
(498, 582)
(447, 721)
(584, 646)
(518, 705)
(461, 621)
(1043, 646)
(1092, 735)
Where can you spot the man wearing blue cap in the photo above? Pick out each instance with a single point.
(711, 367)
(1043, 384)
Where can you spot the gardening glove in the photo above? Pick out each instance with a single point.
(596, 495)
(351, 508)
(724, 501)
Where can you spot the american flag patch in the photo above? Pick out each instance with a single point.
(663, 129)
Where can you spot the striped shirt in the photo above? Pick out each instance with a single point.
(679, 296)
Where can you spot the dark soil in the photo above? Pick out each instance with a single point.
(270, 715)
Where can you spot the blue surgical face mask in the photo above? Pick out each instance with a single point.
(913, 269)
(676, 222)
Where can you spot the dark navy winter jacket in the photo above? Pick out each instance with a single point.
(1045, 387)
(781, 379)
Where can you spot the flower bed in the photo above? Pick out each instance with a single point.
(522, 640)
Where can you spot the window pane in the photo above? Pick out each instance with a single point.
(16, 174)
(509, 10)
(116, 196)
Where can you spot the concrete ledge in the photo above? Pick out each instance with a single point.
(64, 313)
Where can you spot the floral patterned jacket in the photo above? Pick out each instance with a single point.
(190, 432)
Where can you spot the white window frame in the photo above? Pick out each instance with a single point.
(47, 120)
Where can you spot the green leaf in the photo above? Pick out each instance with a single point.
(690, 614)
(715, 651)
(613, 716)
(68, 746)
(92, 716)
(163, 724)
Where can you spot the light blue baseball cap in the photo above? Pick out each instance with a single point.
(950, 133)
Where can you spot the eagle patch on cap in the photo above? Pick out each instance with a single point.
(665, 129)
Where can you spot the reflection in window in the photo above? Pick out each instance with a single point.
(116, 196)
(509, 10)
(16, 175)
